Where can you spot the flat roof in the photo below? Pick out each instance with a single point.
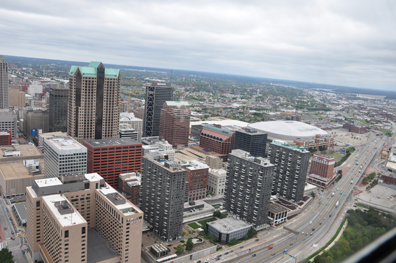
(196, 165)
(48, 182)
(65, 143)
(175, 103)
(276, 208)
(58, 204)
(228, 122)
(111, 142)
(26, 150)
(53, 134)
(228, 225)
(16, 170)
(126, 208)
(93, 177)
(21, 210)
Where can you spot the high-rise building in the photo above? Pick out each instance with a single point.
(112, 157)
(58, 104)
(248, 187)
(126, 131)
(156, 94)
(162, 195)
(175, 122)
(64, 156)
(217, 181)
(291, 170)
(8, 122)
(129, 186)
(93, 102)
(76, 217)
(321, 172)
(197, 177)
(37, 119)
(217, 140)
(252, 141)
(3, 83)
(5, 138)
(162, 147)
(16, 98)
(133, 122)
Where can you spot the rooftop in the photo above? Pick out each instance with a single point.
(111, 142)
(16, 170)
(228, 225)
(276, 208)
(48, 135)
(175, 103)
(286, 145)
(65, 143)
(196, 165)
(91, 70)
(292, 129)
(62, 210)
(241, 124)
(118, 200)
(217, 130)
(125, 116)
(27, 151)
(48, 182)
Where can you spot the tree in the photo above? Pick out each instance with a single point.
(179, 249)
(189, 244)
(313, 194)
(6, 256)
(217, 213)
(252, 232)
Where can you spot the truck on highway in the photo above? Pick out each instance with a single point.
(332, 194)
(352, 182)
(338, 202)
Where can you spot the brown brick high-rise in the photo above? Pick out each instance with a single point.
(175, 122)
(217, 140)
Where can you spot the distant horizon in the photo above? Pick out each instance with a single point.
(206, 72)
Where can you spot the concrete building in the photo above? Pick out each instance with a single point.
(227, 229)
(35, 89)
(156, 95)
(247, 193)
(19, 210)
(162, 147)
(94, 111)
(58, 105)
(112, 157)
(64, 156)
(291, 170)
(50, 135)
(37, 119)
(5, 138)
(16, 98)
(129, 186)
(197, 177)
(175, 122)
(214, 162)
(20, 165)
(277, 214)
(218, 140)
(217, 181)
(3, 83)
(252, 141)
(8, 122)
(321, 172)
(133, 122)
(62, 214)
(126, 131)
(162, 195)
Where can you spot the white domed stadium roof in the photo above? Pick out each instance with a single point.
(288, 130)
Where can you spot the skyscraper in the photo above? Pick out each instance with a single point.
(248, 187)
(156, 94)
(3, 83)
(58, 109)
(252, 141)
(175, 122)
(291, 170)
(93, 102)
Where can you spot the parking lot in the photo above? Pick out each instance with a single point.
(342, 136)
(379, 196)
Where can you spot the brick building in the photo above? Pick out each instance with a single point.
(5, 138)
(112, 157)
(129, 186)
(175, 122)
(197, 177)
(321, 172)
(217, 140)
(354, 128)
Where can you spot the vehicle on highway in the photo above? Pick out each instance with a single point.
(199, 261)
(285, 250)
(291, 244)
(241, 247)
(207, 260)
(226, 253)
(273, 254)
(320, 223)
(351, 182)
(257, 239)
(13, 238)
(332, 194)
(329, 215)
(5, 228)
(313, 229)
(307, 234)
(253, 255)
(311, 234)
(270, 247)
(338, 202)
(310, 223)
(12, 232)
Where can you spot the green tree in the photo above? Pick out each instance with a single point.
(189, 244)
(6, 256)
(252, 232)
(179, 249)
(313, 194)
(217, 213)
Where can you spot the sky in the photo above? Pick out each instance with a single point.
(339, 42)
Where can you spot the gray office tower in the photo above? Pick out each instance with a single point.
(248, 187)
(58, 109)
(162, 193)
(252, 141)
(3, 83)
(156, 94)
(291, 170)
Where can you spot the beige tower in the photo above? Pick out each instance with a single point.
(93, 102)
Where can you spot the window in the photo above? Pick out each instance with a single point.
(37, 203)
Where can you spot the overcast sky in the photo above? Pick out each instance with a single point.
(342, 42)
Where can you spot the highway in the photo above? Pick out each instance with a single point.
(323, 213)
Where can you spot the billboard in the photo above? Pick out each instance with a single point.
(33, 132)
(343, 150)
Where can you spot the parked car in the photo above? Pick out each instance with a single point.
(12, 232)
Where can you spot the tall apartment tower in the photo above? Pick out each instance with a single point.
(252, 141)
(162, 194)
(81, 219)
(112, 157)
(175, 122)
(64, 156)
(3, 83)
(58, 104)
(156, 95)
(248, 187)
(93, 102)
(291, 170)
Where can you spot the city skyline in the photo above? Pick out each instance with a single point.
(334, 43)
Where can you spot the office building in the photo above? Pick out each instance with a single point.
(112, 157)
(197, 177)
(248, 187)
(131, 121)
(126, 131)
(162, 195)
(214, 162)
(129, 186)
(8, 122)
(16, 98)
(156, 95)
(217, 140)
(227, 229)
(291, 170)
(3, 83)
(277, 214)
(252, 141)
(175, 122)
(64, 156)
(162, 147)
(37, 119)
(94, 110)
(217, 181)
(81, 219)
(321, 172)
(50, 135)
(5, 138)
(58, 104)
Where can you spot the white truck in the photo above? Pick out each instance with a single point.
(338, 202)
(332, 194)
(352, 182)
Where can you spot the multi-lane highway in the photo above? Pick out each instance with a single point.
(318, 224)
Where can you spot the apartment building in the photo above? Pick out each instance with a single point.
(291, 170)
(65, 214)
(197, 177)
(64, 156)
(248, 187)
(156, 95)
(252, 141)
(112, 157)
(217, 181)
(175, 122)
(58, 105)
(3, 83)
(94, 110)
(162, 195)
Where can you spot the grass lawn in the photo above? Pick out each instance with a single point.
(239, 242)
(350, 114)
(362, 205)
(337, 156)
(207, 220)
(194, 225)
(364, 122)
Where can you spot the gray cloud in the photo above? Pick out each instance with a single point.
(335, 42)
